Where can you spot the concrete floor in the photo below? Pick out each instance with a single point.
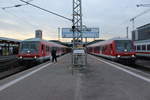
(99, 81)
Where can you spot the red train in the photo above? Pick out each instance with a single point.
(116, 49)
(142, 48)
(38, 50)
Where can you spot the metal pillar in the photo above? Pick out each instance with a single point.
(77, 22)
(58, 33)
(127, 31)
(79, 54)
(133, 24)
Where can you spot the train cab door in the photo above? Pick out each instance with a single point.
(111, 49)
(42, 50)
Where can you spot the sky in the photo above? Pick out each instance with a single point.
(111, 16)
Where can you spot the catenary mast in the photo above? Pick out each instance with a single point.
(77, 23)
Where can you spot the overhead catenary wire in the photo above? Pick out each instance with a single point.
(17, 5)
(46, 10)
(142, 13)
(20, 17)
(143, 5)
(23, 19)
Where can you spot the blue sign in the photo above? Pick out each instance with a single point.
(86, 33)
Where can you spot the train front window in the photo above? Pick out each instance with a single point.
(29, 47)
(124, 46)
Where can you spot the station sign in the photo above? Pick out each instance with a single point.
(87, 33)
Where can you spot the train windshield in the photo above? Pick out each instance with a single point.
(29, 47)
(124, 46)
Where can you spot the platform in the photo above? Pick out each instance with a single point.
(101, 80)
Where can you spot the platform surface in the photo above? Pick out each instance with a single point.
(100, 81)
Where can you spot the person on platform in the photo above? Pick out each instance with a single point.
(53, 54)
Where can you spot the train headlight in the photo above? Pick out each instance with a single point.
(133, 55)
(35, 57)
(118, 56)
(20, 57)
(125, 50)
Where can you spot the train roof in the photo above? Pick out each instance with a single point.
(58, 45)
(107, 41)
(34, 39)
(9, 39)
(142, 41)
(41, 40)
(119, 38)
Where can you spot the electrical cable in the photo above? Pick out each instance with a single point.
(46, 10)
(19, 17)
(142, 13)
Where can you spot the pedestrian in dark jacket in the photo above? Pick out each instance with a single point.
(53, 54)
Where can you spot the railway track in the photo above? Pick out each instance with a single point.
(10, 67)
(140, 64)
(9, 64)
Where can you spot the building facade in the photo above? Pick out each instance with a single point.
(141, 33)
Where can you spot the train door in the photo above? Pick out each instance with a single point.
(100, 50)
(97, 49)
(47, 50)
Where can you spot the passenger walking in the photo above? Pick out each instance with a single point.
(54, 56)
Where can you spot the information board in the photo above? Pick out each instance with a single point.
(87, 33)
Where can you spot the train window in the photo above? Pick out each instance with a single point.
(104, 48)
(33, 46)
(97, 48)
(50, 49)
(135, 47)
(46, 48)
(143, 47)
(100, 48)
(29, 46)
(138, 47)
(148, 47)
(122, 45)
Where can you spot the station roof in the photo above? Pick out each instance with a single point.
(144, 26)
(9, 39)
